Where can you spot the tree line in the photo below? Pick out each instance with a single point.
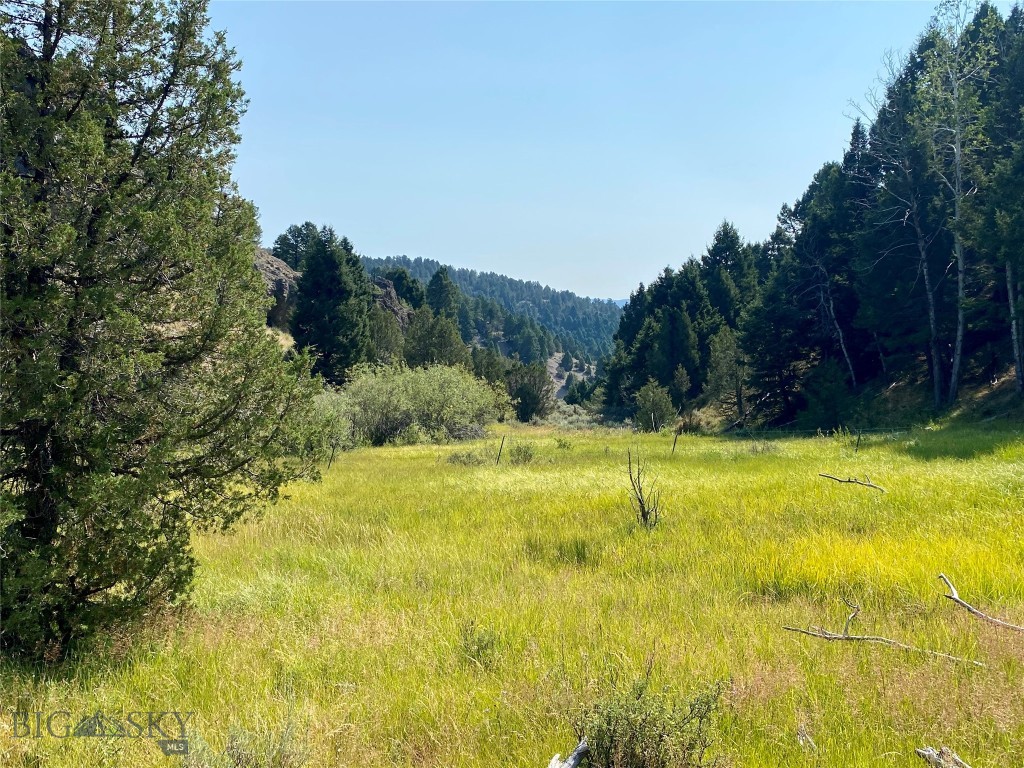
(902, 260)
(584, 326)
(340, 316)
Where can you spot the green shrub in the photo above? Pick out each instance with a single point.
(438, 403)
(521, 453)
(654, 407)
(637, 728)
(329, 428)
(466, 458)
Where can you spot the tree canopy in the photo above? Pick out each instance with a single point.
(143, 397)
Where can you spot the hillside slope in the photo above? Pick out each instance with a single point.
(588, 324)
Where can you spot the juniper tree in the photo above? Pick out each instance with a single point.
(142, 397)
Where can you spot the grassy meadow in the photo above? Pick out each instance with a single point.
(414, 610)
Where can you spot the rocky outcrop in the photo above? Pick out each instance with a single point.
(281, 281)
(387, 299)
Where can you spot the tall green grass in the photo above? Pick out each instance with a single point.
(414, 611)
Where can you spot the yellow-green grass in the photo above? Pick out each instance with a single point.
(412, 611)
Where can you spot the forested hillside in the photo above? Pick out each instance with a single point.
(585, 325)
(350, 317)
(901, 261)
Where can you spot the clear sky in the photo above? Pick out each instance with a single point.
(583, 145)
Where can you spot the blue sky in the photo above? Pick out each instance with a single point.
(582, 145)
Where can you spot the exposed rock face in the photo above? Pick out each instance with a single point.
(281, 280)
(388, 300)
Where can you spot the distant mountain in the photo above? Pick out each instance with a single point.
(584, 325)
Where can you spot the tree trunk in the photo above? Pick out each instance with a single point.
(881, 353)
(933, 331)
(839, 334)
(1018, 353)
(958, 249)
(961, 298)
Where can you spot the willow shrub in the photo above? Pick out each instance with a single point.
(439, 403)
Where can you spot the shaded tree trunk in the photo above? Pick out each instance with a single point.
(933, 330)
(1018, 353)
(961, 299)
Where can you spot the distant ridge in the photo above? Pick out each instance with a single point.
(590, 323)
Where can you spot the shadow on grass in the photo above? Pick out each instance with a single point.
(115, 648)
(955, 441)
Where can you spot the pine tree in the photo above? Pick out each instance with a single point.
(434, 340)
(332, 307)
(443, 294)
(293, 245)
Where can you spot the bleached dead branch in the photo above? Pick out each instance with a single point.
(824, 634)
(955, 597)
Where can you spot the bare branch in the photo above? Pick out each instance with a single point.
(865, 482)
(955, 597)
(824, 634)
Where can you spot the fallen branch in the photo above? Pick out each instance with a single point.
(824, 634)
(573, 760)
(955, 597)
(865, 482)
(944, 757)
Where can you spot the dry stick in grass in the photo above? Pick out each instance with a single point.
(573, 760)
(499, 449)
(865, 482)
(955, 597)
(824, 634)
(944, 757)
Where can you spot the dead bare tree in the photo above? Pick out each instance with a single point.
(573, 760)
(865, 482)
(955, 597)
(643, 498)
(824, 634)
(943, 757)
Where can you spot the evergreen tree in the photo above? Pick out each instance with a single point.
(293, 245)
(434, 340)
(489, 364)
(332, 307)
(532, 390)
(142, 397)
(443, 294)
(727, 374)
